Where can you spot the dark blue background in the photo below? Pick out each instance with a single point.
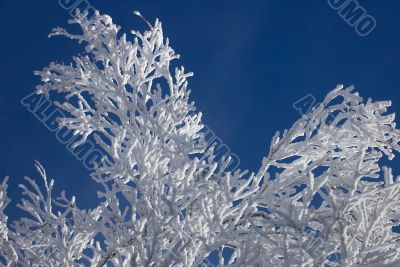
(252, 60)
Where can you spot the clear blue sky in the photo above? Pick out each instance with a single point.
(252, 60)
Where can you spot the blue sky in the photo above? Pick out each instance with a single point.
(252, 60)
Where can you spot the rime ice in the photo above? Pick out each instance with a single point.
(163, 206)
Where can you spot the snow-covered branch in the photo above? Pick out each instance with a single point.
(167, 201)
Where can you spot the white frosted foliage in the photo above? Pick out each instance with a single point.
(320, 198)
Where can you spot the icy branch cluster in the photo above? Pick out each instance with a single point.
(320, 196)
